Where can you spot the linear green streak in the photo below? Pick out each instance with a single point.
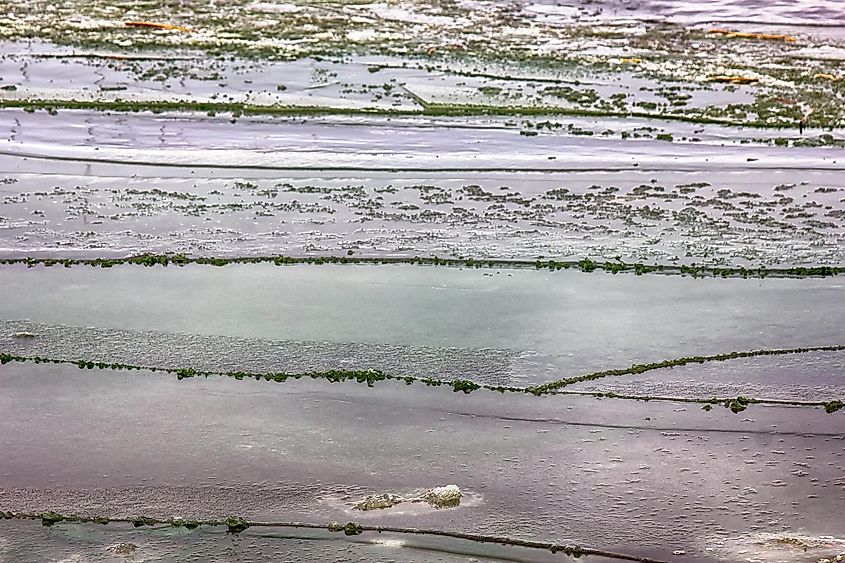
(371, 376)
(735, 404)
(236, 525)
(584, 265)
(188, 106)
(428, 109)
(635, 369)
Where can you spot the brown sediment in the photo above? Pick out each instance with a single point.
(155, 25)
(744, 35)
(733, 79)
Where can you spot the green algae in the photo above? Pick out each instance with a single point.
(585, 264)
(50, 518)
(144, 521)
(636, 369)
(353, 529)
(710, 115)
(833, 406)
(734, 404)
(464, 385)
(162, 106)
(671, 55)
(236, 525)
(739, 404)
(371, 376)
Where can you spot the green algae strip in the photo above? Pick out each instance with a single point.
(235, 108)
(554, 386)
(427, 109)
(735, 404)
(236, 525)
(584, 265)
(371, 376)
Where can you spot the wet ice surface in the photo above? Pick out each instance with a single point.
(520, 326)
(29, 542)
(574, 469)
(385, 171)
